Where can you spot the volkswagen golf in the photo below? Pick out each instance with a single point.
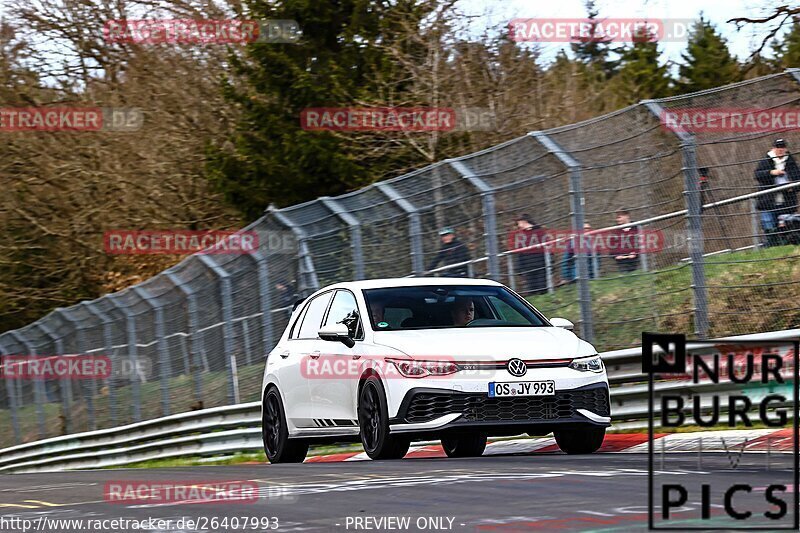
(391, 361)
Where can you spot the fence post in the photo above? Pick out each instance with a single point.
(308, 274)
(38, 385)
(12, 396)
(643, 260)
(355, 232)
(90, 392)
(161, 345)
(489, 215)
(227, 324)
(108, 341)
(66, 383)
(414, 225)
(130, 330)
(694, 207)
(196, 340)
(264, 293)
(755, 223)
(577, 202)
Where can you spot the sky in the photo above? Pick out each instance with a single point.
(497, 12)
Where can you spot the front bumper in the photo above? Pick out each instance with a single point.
(427, 409)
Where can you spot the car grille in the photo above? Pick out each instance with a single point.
(426, 406)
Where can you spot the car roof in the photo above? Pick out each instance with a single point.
(409, 282)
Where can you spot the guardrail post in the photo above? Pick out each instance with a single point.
(227, 324)
(694, 207)
(66, 382)
(196, 347)
(12, 395)
(90, 392)
(577, 201)
(308, 274)
(133, 355)
(355, 233)
(414, 225)
(108, 341)
(489, 215)
(164, 367)
(38, 385)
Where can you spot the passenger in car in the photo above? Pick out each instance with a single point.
(463, 311)
(377, 310)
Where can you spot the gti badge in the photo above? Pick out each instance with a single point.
(517, 367)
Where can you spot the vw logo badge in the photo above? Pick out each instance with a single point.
(517, 367)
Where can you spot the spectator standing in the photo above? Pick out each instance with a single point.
(452, 251)
(285, 293)
(627, 257)
(778, 168)
(531, 264)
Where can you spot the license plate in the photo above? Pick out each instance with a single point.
(522, 388)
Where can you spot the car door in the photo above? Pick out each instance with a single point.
(295, 358)
(333, 390)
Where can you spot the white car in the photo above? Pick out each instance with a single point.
(389, 361)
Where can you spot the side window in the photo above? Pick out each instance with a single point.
(313, 317)
(344, 310)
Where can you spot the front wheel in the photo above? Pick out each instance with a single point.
(278, 447)
(373, 419)
(580, 441)
(471, 445)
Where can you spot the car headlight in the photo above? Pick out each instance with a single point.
(588, 364)
(422, 369)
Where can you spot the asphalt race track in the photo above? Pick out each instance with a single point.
(601, 492)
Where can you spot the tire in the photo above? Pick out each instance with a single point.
(580, 441)
(278, 447)
(373, 420)
(468, 445)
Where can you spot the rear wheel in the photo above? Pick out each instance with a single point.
(580, 441)
(278, 447)
(468, 445)
(373, 419)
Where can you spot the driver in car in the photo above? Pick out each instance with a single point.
(463, 311)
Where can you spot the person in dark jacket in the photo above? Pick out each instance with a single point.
(531, 263)
(452, 251)
(626, 255)
(778, 168)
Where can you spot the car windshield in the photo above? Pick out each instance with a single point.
(448, 306)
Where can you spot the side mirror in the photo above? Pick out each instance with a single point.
(336, 332)
(562, 323)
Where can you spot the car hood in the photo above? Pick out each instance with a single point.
(493, 344)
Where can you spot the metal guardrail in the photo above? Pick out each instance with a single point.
(237, 428)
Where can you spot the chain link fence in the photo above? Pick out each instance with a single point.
(195, 336)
